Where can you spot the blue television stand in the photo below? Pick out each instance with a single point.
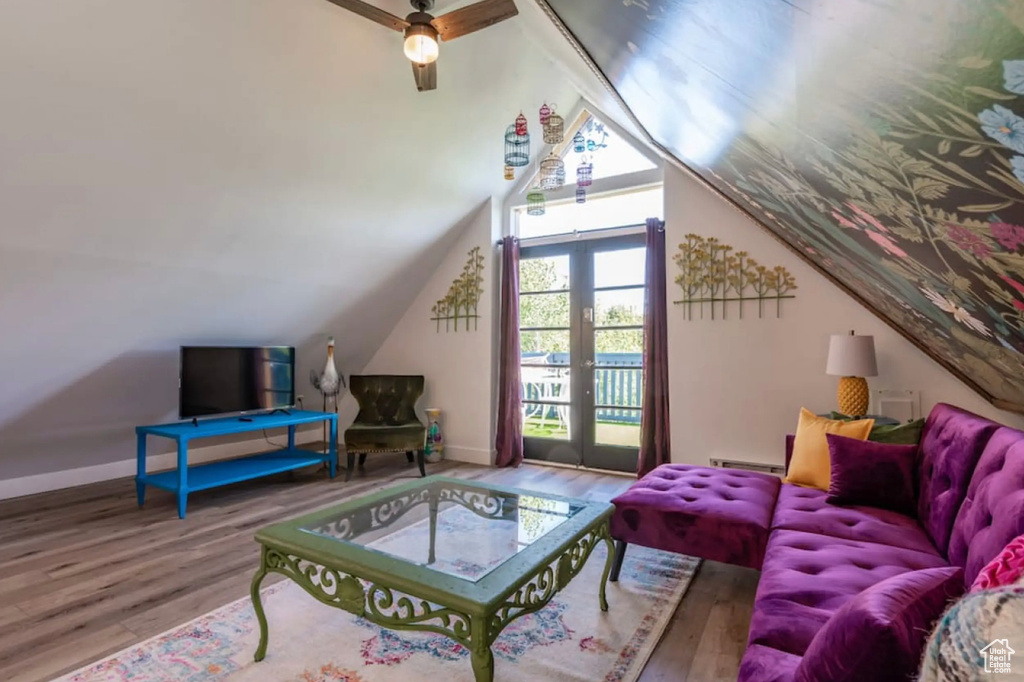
(186, 479)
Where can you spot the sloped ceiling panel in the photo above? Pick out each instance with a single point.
(881, 139)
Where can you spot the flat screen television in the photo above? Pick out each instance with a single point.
(226, 380)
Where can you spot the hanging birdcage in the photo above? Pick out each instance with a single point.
(545, 114)
(584, 174)
(535, 203)
(521, 124)
(579, 143)
(510, 173)
(554, 130)
(552, 172)
(517, 148)
(581, 195)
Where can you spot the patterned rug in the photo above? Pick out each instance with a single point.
(569, 640)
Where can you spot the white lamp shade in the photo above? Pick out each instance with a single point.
(851, 356)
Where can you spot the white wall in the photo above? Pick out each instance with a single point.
(458, 366)
(738, 385)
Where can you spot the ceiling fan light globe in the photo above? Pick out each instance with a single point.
(421, 44)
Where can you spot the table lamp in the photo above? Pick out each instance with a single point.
(852, 357)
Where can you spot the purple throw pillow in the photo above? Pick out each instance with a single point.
(873, 474)
(880, 634)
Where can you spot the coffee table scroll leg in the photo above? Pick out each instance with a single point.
(480, 652)
(606, 535)
(257, 605)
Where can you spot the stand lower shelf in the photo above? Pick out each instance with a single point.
(225, 472)
(186, 479)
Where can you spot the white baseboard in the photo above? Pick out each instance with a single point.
(69, 478)
(480, 456)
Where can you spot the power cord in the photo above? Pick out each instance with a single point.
(276, 445)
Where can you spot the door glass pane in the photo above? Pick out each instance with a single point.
(550, 273)
(619, 307)
(619, 268)
(544, 348)
(545, 384)
(544, 310)
(622, 429)
(618, 341)
(618, 395)
(546, 420)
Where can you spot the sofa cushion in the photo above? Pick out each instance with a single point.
(807, 577)
(880, 633)
(807, 509)
(993, 510)
(809, 464)
(765, 664)
(873, 474)
(717, 514)
(1006, 569)
(950, 447)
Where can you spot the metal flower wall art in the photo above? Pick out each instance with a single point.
(463, 297)
(713, 274)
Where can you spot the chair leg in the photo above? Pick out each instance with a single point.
(620, 554)
(411, 456)
(420, 460)
(350, 466)
(362, 458)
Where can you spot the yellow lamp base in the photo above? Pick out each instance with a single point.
(853, 396)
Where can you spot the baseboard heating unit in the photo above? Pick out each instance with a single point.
(774, 469)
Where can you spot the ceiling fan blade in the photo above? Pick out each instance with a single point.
(425, 75)
(373, 14)
(473, 18)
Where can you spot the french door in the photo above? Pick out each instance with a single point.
(581, 333)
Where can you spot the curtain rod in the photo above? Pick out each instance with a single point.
(586, 234)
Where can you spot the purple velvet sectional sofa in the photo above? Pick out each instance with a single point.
(815, 556)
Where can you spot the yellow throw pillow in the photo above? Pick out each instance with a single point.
(809, 465)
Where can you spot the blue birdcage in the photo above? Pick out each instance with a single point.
(517, 148)
(579, 143)
(581, 195)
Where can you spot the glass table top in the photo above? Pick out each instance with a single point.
(461, 530)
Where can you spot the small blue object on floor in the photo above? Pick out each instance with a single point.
(186, 479)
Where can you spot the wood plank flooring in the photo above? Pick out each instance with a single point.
(84, 572)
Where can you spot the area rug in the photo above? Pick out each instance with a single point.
(569, 640)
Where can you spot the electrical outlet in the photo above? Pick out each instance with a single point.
(299, 397)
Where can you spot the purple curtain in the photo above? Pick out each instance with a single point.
(654, 440)
(509, 441)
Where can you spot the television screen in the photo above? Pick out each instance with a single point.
(217, 380)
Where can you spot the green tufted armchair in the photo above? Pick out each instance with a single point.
(387, 419)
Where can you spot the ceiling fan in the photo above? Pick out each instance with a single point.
(422, 30)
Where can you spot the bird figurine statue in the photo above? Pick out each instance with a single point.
(328, 382)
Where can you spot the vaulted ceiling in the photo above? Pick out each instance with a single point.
(883, 140)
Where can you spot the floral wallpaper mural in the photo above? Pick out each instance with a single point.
(882, 139)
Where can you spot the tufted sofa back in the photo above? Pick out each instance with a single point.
(386, 399)
(992, 513)
(951, 445)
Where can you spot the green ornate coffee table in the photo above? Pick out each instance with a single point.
(443, 555)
